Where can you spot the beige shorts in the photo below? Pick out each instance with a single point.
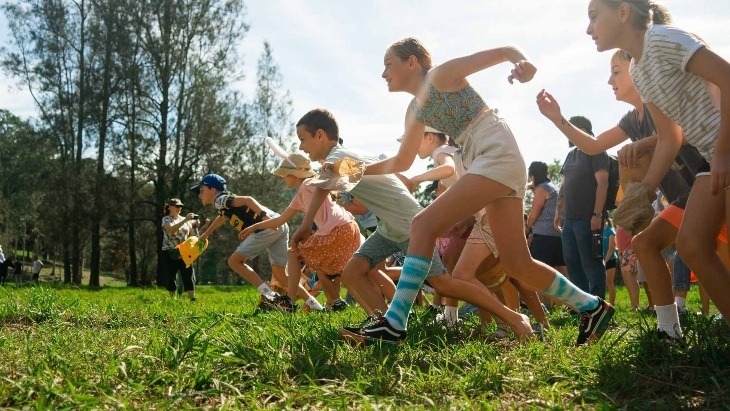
(489, 149)
(481, 233)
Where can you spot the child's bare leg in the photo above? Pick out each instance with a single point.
(365, 292)
(237, 263)
(648, 246)
(293, 273)
(483, 298)
(330, 288)
(529, 296)
(703, 217)
(383, 281)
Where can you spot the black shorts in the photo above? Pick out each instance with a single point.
(547, 249)
(611, 264)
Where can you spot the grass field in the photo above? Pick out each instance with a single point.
(64, 348)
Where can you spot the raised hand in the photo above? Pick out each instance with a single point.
(548, 106)
(523, 72)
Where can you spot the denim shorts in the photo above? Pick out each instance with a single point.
(377, 248)
(274, 242)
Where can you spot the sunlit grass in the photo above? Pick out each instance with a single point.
(137, 348)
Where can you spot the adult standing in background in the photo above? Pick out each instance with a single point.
(36, 270)
(545, 244)
(579, 213)
(176, 229)
(18, 271)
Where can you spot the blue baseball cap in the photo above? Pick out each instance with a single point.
(212, 181)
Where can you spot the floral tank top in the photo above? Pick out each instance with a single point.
(449, 111)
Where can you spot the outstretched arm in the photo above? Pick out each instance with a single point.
(212, 227)
(403, 160)
(445, 170)
(285, 216)
(588, 144)
(451, 75)
(669, 140)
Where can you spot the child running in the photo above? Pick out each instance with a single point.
(389, 199)
(328, 250)
(241, 212)
(495, 180)
(684, 84)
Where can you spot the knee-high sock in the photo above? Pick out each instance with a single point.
(411, 278)
(564, 290)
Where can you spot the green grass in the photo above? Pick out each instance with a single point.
(64, 348)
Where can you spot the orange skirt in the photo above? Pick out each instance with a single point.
(328, 254)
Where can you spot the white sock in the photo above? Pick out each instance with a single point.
(451, 315)
(668, 319)
(265, 290)
(314, 304)
(680, 301)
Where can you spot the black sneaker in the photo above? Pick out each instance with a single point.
(284, 304)
(339, 305)
(267, 303)
(594, 322)
(355, 329)
(378, 330)
(432, 311)
(676, 341)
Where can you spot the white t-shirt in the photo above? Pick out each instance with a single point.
(37, 264)
(458, 166)
(385, 195)
(661, 78)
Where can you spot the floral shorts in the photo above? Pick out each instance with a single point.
(328, 254)
(629, 262)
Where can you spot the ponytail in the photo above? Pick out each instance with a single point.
(659, 13)
(643, 12)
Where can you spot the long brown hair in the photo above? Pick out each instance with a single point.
(643, 12)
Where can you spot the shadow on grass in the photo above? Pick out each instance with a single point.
(640, 371)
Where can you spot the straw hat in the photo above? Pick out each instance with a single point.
(296, 165)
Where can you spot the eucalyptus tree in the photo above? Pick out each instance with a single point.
(47, 55)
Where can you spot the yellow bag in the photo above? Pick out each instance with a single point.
(191, 249)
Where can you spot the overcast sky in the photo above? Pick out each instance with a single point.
(331, 55)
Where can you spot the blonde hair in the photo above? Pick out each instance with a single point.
(643, 12)
(621, 55)
(411, 46)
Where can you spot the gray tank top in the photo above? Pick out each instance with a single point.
(544, 223)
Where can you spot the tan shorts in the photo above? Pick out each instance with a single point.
(489, 149)
(481, 233)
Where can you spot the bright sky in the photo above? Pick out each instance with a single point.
(331, 56)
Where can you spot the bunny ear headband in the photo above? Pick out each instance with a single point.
(291, 164)
(276, 148)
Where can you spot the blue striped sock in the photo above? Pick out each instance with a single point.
(564, 290)
(411, 278)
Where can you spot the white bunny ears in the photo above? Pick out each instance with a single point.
(280, 152)
(291, 164)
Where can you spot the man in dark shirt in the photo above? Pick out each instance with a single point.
(579, 212)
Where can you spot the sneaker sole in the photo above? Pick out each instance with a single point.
(359, 340)
(602, 325)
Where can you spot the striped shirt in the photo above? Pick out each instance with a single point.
(662, 79)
